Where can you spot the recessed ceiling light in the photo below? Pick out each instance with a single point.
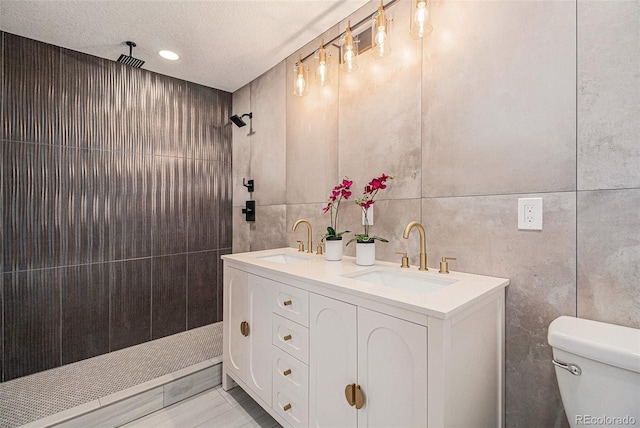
(171, 56)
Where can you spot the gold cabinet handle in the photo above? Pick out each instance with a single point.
(286, 407)
(287, 337)
(244, 328)
(287, 372)
(349, 394)
(287, 302)
(359, 397)
(353, 394)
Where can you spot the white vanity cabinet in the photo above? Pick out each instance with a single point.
(315, 347)
(382, 357)
(247, 330)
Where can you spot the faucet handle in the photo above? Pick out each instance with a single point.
(300, 246)
(444, 266)
(319, 250)
(405, 259)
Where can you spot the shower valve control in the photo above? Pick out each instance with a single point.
(248, 184)
(250, 211)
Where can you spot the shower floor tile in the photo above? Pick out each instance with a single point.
(34, 397)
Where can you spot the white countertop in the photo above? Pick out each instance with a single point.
(315, 270)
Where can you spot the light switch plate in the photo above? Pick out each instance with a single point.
(530, 213)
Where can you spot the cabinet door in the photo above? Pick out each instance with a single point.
(259, 296)
(234, 313)
(332, 362)
(392, 371)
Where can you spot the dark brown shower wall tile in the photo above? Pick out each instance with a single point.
(202, 205)
(135, 215)
(31, 94)
(220, 291)
(167, 116)
(31, 204)
(88, 101)
(85, 311)
(31, 322)
(169, 295)
(201, 117)
(130, 288)
(225, 208)
(169, 225)
(224, 127)
(202, 288)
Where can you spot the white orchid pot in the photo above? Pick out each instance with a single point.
(365, 253)
(333, 249)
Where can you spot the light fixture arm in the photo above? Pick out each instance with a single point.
(366, 19)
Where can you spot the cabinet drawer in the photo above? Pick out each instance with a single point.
(292, 303)
(290, 372)
(297, 409)
(291, 338)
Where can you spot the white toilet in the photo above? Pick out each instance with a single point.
(598, 371)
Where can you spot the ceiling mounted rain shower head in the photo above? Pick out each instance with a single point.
(238, 119)
(129, 59)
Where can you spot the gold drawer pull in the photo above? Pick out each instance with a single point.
(287, 372)
(287, 302)
(287, 337)
(286, 407)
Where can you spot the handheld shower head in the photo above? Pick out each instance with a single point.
(238, 119)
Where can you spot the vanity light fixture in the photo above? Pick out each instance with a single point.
(170, 55)
(322, 65)
(420, 19)
(300, 83)
(380, 33)
(349, 50)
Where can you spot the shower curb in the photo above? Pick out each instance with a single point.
(133, 403)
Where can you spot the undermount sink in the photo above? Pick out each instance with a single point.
(408, 281)
(284, 258)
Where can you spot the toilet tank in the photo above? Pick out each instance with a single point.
(606, 392)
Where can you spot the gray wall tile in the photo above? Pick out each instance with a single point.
(312, 144)
(241, 154)
(481, 232)
(379, 109)
(268, 143)
(609, 90)
(608, 255)
(270, 228)
(499, 100)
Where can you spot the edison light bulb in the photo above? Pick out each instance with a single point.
(420, 18)
(300, 84)
(349, 55)
(322, 72)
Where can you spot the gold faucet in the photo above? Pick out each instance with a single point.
(309, 234)
(423, 242)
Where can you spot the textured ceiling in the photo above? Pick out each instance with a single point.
(222, 44)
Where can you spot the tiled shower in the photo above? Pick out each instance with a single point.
(115, 192)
